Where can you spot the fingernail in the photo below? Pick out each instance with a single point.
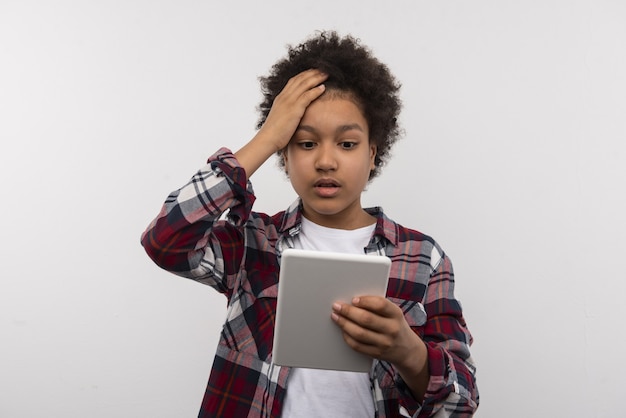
(336, 307)
(356, 300)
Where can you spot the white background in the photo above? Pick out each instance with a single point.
(513, 159)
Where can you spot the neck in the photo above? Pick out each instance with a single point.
(351, 222)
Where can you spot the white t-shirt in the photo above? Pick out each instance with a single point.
(329, 393)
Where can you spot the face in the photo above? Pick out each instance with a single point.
(328, 161)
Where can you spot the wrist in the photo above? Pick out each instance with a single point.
(414, 369)
(272, 139)
(415, 362)
(258, 150)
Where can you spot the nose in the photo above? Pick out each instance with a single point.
(326, 160)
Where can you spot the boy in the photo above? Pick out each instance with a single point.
(329, 111)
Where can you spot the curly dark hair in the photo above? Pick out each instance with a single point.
(351, 69)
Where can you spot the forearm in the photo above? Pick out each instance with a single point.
(256, 152)
(446, 339)
(446, 381)
(414, 371)
(178, 237)
(451, 367)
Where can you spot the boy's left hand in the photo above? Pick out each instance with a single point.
(375, 326)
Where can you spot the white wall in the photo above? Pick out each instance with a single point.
(513, 160)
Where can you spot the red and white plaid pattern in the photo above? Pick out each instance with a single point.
(240, 257)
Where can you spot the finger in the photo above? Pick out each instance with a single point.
(360, 334)
(365, 341)
(312, 76)
(361, 317)
(371, 348)
(290, 104)
(376, 304)
(304, 82)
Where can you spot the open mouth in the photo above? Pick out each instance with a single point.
(326, 183)
(326, 188)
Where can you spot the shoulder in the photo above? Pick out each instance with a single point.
(410, 234)
(413, 243)
(425, 244)
(396, 233)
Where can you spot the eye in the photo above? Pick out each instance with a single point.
(306, 144)
(347, 144)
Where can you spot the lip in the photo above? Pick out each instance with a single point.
(326, 187)
(326, 182)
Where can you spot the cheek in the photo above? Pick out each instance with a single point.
(294, 168)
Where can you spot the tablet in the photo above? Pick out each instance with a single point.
(309, 283)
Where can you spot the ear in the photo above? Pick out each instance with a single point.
(373, 151)
(282, 154)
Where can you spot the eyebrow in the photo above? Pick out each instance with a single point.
(340, 129)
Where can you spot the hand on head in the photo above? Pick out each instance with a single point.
(283, 119)
(290, 105)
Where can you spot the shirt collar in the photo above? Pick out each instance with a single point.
(385, 227)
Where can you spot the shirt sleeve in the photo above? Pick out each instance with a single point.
(188, 237)
(452, 390)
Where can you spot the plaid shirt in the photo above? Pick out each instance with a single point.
(240, 257)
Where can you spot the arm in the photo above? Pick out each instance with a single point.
(186, 237)
(375, 326)
(433, 360)
(452, 368)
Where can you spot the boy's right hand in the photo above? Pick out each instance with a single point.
(290, 104)
(282, 120)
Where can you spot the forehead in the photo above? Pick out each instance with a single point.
(334, 93)
(335, 109)
(333, 117)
